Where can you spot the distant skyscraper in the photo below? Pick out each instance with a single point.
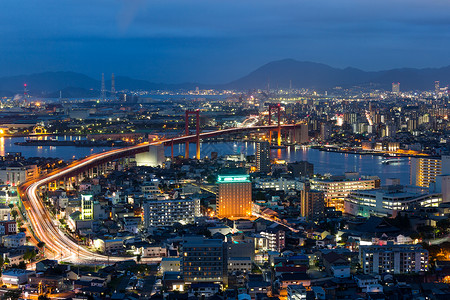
(113, 85)
(436, 87)
(103, 90)
(234, 199)
(263, 157)
(396, 87)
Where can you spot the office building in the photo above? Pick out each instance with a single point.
(153, 158)
(437, 89)
(387, 201)
(166, 212)
(396, 87)
(234, 198)
(425, 169)
(263, 157)
(312, 203)
(337, 188)
(202, 260)
(394, 259)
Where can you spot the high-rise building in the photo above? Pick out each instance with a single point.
(169, 211)
(396, 87)
(234, 199)
(425, 169)
(263, 157)
(87, 207)
(394, 259)
(202, 260)
(437, 89)
(312, 203)
(300, 135)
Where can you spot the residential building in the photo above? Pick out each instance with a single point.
(425, 169)
(170, 264)
(263, 157)
(396, 259)
(202, 260)
(234, 198)
(276, 238)
(16, 276)
(166, 212)
(296, 292)
(241, 264)
(312, 203)
(14, 241)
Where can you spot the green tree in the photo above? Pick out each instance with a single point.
(14, 214)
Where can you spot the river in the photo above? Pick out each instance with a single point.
(324, 162)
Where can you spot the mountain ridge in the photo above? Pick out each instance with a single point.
(276, 74)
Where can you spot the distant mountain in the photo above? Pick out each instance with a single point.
(320, 76)
(73, 85)
(276, 74)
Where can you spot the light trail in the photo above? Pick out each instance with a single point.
(57, 241)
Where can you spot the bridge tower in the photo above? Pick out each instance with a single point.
(278, 108)
(197, 125)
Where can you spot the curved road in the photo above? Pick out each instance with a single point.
(46, 228)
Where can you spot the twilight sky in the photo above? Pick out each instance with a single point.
(212, 41)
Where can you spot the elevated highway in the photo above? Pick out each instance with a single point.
(46, 228)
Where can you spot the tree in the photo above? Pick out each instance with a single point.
(41, 245)
(43, 297)
(11, 205)
(138, 258)
(14, 214)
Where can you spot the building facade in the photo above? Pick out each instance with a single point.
(234, 198)
(394, 259)
(202, 260)
(169, 211)
(263, 157)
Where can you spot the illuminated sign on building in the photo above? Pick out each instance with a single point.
(233, 178)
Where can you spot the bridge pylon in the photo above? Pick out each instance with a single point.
(197, 126)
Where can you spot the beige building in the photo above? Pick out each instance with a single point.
(425, 169)
(337, 188)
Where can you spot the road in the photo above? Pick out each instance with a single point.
(45, 227)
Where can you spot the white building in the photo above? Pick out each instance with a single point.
(395, 259)
(166, 212)
(279, 184)
(296, 292)
(386, 201)
(153, 158)
(16, 276)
